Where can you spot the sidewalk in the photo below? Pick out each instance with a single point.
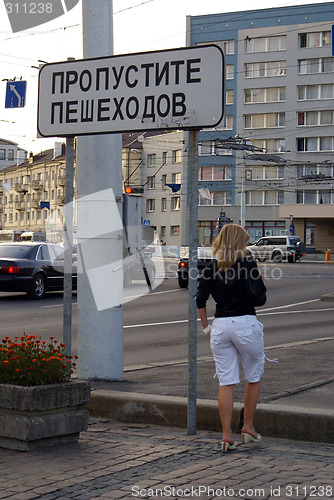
(118, 461)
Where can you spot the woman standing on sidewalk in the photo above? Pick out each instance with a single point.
(237, 287)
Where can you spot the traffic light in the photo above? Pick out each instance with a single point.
(134, 190)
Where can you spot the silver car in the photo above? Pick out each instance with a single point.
(277, 248)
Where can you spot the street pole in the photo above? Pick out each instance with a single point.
(192, 282)
(243, 194)
(68, 245)
(100, 229)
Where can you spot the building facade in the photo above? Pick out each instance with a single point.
(10, 153)
(279, 86)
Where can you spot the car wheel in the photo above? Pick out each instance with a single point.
(183, 283)
(37, 287)
(277, 257)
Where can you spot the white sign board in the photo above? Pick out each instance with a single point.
(178, 88)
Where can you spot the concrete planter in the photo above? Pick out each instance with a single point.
(42, 415)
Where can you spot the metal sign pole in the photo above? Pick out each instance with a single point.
(68, 245)
(192, 286)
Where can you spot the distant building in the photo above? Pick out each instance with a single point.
(279, 73)
(11, 154)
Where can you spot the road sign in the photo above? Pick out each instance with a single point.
(15, 94)
(147, 222)
(171, 89)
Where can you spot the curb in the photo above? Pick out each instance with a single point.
(272, 420)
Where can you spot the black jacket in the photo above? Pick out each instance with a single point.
(236, 291)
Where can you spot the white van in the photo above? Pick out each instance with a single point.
(33, 236)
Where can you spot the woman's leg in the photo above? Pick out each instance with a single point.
(251, 396)
(225, 406)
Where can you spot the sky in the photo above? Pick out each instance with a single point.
(138, 26)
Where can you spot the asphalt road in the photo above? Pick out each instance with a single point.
(156, 326)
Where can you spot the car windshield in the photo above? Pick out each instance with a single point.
(14, 251)
(202, 253)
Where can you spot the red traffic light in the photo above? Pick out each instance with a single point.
(134, 190)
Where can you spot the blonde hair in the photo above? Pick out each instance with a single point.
(230, 245)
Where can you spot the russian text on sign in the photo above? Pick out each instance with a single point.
(181, 87)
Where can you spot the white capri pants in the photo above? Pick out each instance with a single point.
(234, 336)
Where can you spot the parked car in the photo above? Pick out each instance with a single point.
(34, 268)
(277, 248)
(204, 257)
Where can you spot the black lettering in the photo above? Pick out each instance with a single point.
(136, 107)
(127, 81)
(191, 70)
(102, 109)
(89, 83)
(178, 102)
(117, 76)
(177, 65)
(118, 108)
(147, 68)
(106, 78)
(54, 76)
(164, 73)
(71, 79)
(70, 111)
(87, 110)
(167, 105)
(146, 114)
(55, 105)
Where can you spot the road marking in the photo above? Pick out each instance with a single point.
(290, 305)
(295, 312)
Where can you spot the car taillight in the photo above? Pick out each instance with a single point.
(9, 269)
(183, 264)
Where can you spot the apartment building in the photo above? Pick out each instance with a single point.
(279, 85)
(32, 194)
(10, 153)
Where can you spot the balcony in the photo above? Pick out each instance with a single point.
(35, 204)
(61, 180)
(19, 205)
(61, 200)
(36, 185)
(21, 188)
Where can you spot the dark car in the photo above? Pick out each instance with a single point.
(204, 257)
(34, 268)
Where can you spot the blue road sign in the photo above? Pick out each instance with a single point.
(147, 222)
(16, 94)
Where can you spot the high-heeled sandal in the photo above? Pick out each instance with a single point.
(226, 445)
(248, 438)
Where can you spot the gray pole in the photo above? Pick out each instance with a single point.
(100, 229)
(68, 245)
(192, 287)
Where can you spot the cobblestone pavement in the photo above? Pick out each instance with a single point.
(113, 460)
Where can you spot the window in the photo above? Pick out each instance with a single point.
(317, 39)
(152, 160)
(270, 145)
(174, 230)
(228, 47)
(226, 123)
(205, 148)
(216, 173)
(2, 154)
(266, 172)
(269, 120)
(163, 231)
(311, 118)
(163, 204)
(315, 171)
(271, 94)
(313, 66)
(11, 154)
(315, 144)
(151, 182)
(229, 68)
(265, 69)
(177, 156)
(176, 202)
(229, 96)
(164, 157)
(265, 44)
(176, 178)
(217, 198)
(163, 181)
(150, 205)
(268, 197)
